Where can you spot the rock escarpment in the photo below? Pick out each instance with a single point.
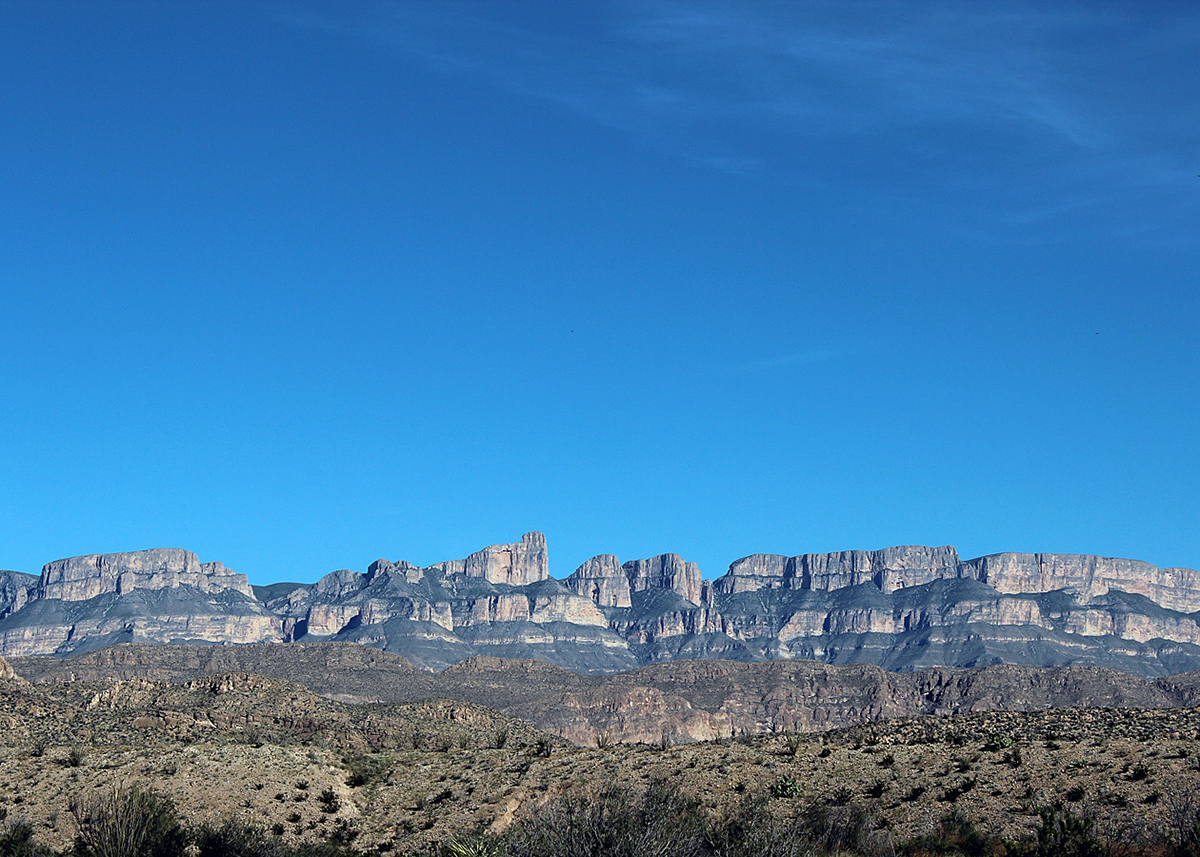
(905, 608)
(679, 701)
(902, 608)
(162, 595)
(498, 601)
(82, 578)
(15, 591)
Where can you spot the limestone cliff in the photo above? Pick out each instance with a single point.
(889, 569)
(1173, 588)
(163, 595)
(516, 565)
(498, 601)
(15, 591)
(903, 607)
(82, 577)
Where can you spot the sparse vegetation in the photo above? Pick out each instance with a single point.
(355, 784)
(786, 787)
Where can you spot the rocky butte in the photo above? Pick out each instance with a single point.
(903, 608)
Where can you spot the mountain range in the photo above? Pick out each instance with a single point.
(901, 608)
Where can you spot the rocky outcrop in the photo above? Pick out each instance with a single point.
(603, 580)
(15, 591)
(7, 673)
(889, 569)
(679, 701)
(163, 595)
(498, 601)
(1090, 576)
(515, 565)
(902, 607)
(84, 577)
(667, 571)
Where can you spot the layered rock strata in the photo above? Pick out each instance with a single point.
(161, 595)
(903, 608)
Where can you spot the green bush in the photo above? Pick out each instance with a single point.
(17, 841)
(614, 822)
(235, 838)
(954, 834)
(365, 768)
(130, 822)
(1061, 833)
(788, 787)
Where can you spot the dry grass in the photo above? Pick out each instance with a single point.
(284, 760)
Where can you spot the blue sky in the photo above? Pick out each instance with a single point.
(296, 287)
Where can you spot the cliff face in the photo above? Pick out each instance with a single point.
(1091, 576)
(902, 608)
(889, 569)
(15, 591)
(514, 565)
(83, 577)
(163, 595)
(498, 601)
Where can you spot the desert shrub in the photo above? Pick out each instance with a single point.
(500, 738)
(613, 822)
(364, 768)
(75, 758)
(841, 796)
(754, 831)
(1183, 831)
(543, 747)
(996, 742)
(839, 827)
(131, 822)
(788, 787)
(342, 834)
(234, 838)
(1062, 833)
(329, 801)
(16, 840)
(955, 834)
(479, 845)
(792, 742)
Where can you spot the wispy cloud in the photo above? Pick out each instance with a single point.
(1031, 106)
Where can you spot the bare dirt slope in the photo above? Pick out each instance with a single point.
(683, 700)
(402, 776)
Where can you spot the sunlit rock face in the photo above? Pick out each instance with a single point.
(515, 565)
(1173, 588)
(602, 580)
(162, 595)
(82, 577)
(889, 569)
(498, 601)
(903, 608)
